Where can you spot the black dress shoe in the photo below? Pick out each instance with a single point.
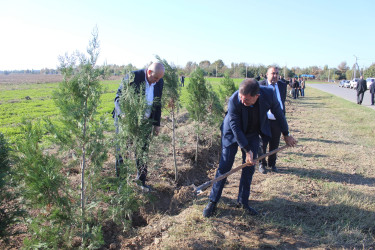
(262, 169)
(251, 211)
(210, 209)
(274, 169)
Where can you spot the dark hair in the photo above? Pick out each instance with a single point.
(249, 86)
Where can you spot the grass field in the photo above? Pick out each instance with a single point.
(34, 101)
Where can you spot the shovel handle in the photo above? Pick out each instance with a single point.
(205, 185)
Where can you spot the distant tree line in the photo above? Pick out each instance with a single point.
(234, 70)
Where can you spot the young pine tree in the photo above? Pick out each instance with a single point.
(227, 88)
(197, 102)
(171, 95)
(215, 111)
(10, 212)
(45, 188)
(78, 99)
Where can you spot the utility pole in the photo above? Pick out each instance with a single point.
(284, 71)
(355, 67)
(329, 72)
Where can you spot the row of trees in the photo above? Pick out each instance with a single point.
(236, 70)
(31, 179)
(242, 70)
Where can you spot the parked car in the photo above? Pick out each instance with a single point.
(344, 83)
(369, 81)
(353, 83)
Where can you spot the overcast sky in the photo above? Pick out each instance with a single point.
(284, 32)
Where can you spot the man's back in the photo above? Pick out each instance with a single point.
(361, 86)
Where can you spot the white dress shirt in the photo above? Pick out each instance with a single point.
(149, 92)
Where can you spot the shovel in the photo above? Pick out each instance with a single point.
(198, 190)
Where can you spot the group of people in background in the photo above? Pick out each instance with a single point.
(361, 89)
(297, 86)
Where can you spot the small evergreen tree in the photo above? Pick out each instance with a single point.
(171, 95)
(9, 210)
(197, 102)
(43, 187)
(133, 138)
(134, 128)
(227, 88)
(78, 99)
(215, 110)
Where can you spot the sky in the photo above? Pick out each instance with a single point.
(292, 33)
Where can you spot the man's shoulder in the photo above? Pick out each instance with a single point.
(265, 91)
(263, 88)
(233, 99)
(281, 83)
(135, 76)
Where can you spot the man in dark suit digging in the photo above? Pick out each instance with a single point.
(245, 120)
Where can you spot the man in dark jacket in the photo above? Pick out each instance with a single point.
(361, 88)
(245, 120)
(280, 89)
(372, 91)
(152, 81)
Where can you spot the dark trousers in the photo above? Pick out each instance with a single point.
(372, 98)
(141, 162)
(273, 143)
(360, 97)
(140, 156)
(295, 93)
(228, 154)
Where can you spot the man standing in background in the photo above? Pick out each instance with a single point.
(372, 92)
(280, 89)
(361, 89)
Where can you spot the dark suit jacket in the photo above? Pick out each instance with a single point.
(282, 85)
(236, 120)
(139, 78)
(361, 86)
(372, 88)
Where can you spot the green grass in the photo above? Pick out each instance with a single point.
(14, 105)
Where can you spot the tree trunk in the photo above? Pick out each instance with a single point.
(196, 147)
(83, 167)
(174, 144)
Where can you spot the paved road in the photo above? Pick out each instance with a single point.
(346, 93)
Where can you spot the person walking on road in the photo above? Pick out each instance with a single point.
(361, 89)
(372, 92)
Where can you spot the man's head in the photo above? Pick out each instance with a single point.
(155, 72)
(272, 74)
(361, 77)
(249, 91)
